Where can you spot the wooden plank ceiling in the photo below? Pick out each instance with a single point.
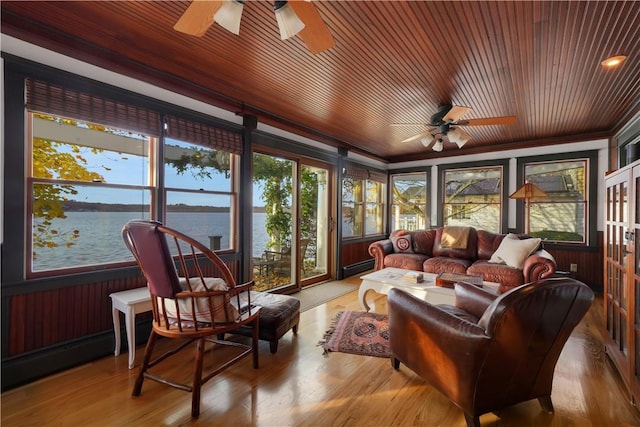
(393, 63)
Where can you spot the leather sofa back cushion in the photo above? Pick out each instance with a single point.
(422, 240)
(469, 253)
(488, 243)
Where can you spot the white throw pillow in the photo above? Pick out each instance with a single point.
(202, 312)
(513, 251)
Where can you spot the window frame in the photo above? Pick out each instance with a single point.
(502, 163)
(156, 188)
(364, 175)
(427, 204)
(591, 195)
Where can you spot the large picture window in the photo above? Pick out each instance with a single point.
(409, 201)
(95, 164)
(562, 215)
(473, 197)
(87, 180)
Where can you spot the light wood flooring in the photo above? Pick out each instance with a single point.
(299, 386)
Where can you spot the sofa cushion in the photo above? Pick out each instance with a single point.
(423, 241)
(469, 253)
(439, 265)
(406, 261)
(513, 251)
(488, 243)
(499, 273)
(402, 244)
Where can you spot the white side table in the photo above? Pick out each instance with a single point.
(130, 302)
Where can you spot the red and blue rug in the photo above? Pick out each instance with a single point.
(358, 332)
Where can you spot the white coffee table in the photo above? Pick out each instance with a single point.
(382, 280)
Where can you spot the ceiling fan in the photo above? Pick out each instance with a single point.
(446, 123)
(294, 18)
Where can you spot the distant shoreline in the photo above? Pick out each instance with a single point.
(74, 206)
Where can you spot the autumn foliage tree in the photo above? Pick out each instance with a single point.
(52, 162)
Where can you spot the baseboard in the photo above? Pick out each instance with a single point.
(23, 369)
(357, 268)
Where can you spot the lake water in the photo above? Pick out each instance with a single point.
(100, 239)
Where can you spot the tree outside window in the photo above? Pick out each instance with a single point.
(409, 201)
(473, 197)
(362, 207)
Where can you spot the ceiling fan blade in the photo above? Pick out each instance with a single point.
(418, 136)
(315, 33)
(505, 120)
(455, 113)
(198, 17)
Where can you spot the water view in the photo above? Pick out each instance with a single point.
(100, 240)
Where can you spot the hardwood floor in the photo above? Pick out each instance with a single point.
(299, 386)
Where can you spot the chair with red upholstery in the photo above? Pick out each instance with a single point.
(194, 298)
(488, 351)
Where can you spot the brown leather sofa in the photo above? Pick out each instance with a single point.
(488, 352)
(428, 254)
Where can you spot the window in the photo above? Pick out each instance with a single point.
(362, 202)
(200, 189)
(562, 216)
(93, 168)
(409, 201)
(86, 182)
(472, 197)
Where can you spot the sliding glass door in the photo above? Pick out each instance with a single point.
(292, 222)
(315, 222)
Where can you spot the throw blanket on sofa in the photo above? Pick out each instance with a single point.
(455, 237)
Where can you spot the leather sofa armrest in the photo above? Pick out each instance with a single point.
(538, 265)
(422, 336)
(472, 299)
(378, 250)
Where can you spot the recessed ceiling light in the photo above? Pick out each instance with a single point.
(614, 61)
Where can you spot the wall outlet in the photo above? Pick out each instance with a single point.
(573, 268)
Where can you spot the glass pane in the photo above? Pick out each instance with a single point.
(480, 216)
(373, 224)
(315, 205)
(407, 217)
(473, 185)
(66, 149)
(473, 198)
(68, 220)
(204, 217)
(351, 190)
(409, 202)
(558, 221)
(195, 167)
(351, 219)
(272, 221)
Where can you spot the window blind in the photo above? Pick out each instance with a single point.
(354, 171)
(204, 134)
(49, 98)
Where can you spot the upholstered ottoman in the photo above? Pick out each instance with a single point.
(278, 314)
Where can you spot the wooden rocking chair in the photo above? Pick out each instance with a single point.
(197, 301)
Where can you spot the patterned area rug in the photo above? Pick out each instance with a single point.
(358, 332)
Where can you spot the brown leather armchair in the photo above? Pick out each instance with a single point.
(488, 351)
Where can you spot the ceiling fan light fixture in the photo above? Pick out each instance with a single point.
(288, 22)
(459, 137)
(438, 145)
(613, 61)
(427, 140)
(229, 15)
